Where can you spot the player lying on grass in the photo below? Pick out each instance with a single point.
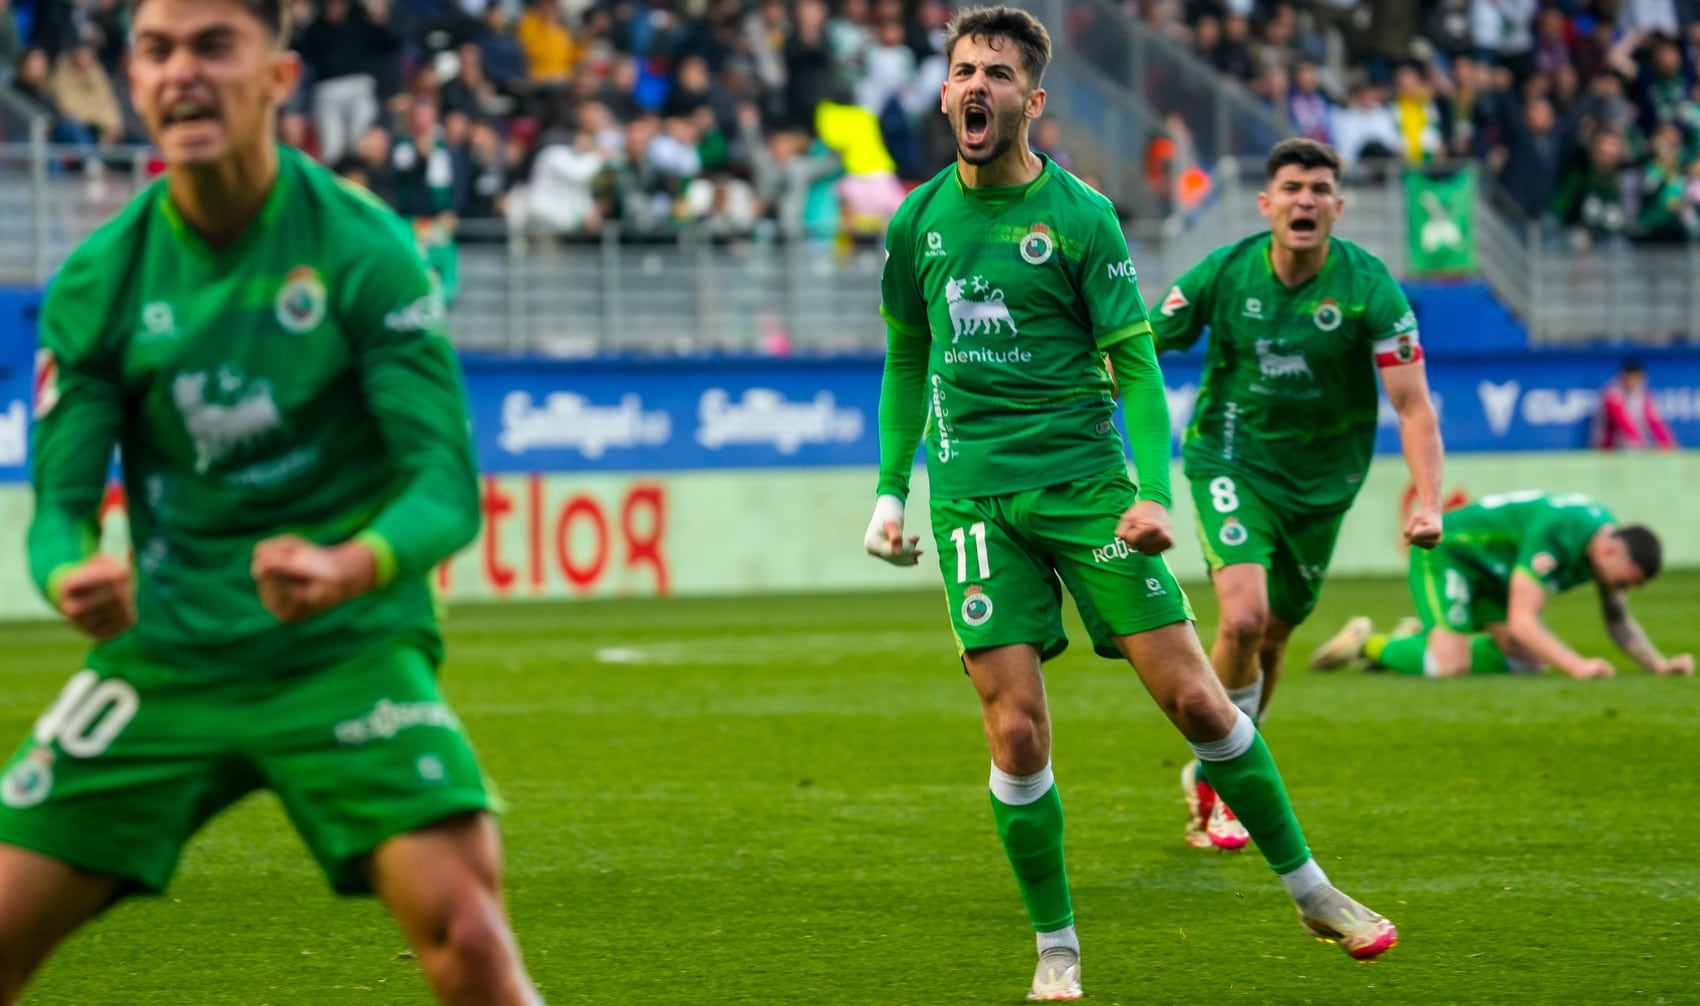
(1501, 558)
(265, 347)
(1007, 282)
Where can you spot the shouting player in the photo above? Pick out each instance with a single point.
(1503, 556)
(1284, 426)
(266, 349)
(1007, 282)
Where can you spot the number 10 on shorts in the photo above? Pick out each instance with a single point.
(88, 715)
(959, 537)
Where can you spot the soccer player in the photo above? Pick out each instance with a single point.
(1284, 426)
(1007, 282)
(1502, 557)
(264, 346)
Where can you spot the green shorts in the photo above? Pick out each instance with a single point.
(1458, 597)
(134, 757)
(1235, 526)
(1005, 560)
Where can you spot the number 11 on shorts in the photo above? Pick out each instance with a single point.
(959, 537)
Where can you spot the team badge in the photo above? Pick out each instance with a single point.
(301, 301)
(1405, 349)
(1233, 532)
(1037, 246)
(1543, 564)
(1175, 301)
(46, 382)
(1328, 315)
(976, 607)
(29, 781)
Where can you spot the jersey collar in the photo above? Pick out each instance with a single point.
(1269, 263)
(262, 221)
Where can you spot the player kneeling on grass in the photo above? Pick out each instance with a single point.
(1501, 558)
(266, 348)
(1007, 283)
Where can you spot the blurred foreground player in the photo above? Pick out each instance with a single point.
(265, 347)
(1008, 281)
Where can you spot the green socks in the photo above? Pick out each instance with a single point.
(1406, 654)
(1244, 774)
(1028, 811)
(1247, 698)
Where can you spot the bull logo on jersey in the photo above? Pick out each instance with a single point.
(224, 412)
(984, 316)
(1274, 363)
(1037, 246)
(300, 303)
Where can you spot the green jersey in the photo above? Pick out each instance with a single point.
(296, 382)
(1544, 535)
(1018, 292)
(1288, 397)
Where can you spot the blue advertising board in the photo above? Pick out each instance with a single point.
(669, 414)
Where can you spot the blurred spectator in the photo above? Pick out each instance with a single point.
(11, 42)
(1530, 160)
(1047, 139)
(83, 93)
(501, 54)
(1366, 128)
(1647, 15)
(550, 50)
(560, 198)
(470, 91)
(1308, 107)
(32, 82)
(809, 74)
(784, 169)
(1628, 418)
(424, 166)
(1232, 55)
(345, 46)
(1663, 195)
(1503, 33)
(487, 170)
(1422, 125)
(372, 157)
(1589, 202)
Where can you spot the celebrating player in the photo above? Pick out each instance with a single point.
(1284, 426)
(1006, 283)
(266, 348)
(1502, 557)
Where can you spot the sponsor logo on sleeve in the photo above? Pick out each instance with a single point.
(1175, 301)
(46, 382)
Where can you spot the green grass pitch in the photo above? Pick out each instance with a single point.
(782, 800)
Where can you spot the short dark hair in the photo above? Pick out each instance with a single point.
(273, 14)
(1644, 548)
(1020, 27)
(1304, 152)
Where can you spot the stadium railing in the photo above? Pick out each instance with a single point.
(689, 292)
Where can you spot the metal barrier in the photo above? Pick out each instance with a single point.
(691, 293)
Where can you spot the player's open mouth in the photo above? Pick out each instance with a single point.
(1303, 225)
(976, 123)
(188, 111)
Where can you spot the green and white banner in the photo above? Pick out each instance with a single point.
(1440, 222)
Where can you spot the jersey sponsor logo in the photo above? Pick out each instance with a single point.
(1175, 301)
(46, 382)
(14, 435)
(765, 416)
(976, 607)
(30, 781)
(1233, 533)
(935, 245)
(1154, 587)
(1328, 315)
(301, 300)
(1273, 361)
(1253, 308)
(159, 323)
(422, 315)
(1123, 270)
(569, 420)
(986, 315)
(389, 718)
(941, 422)
(1115, 550)
(224, 412)
(1038, 245)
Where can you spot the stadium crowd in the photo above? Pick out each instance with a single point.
(1587, 112)
(810, 119)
